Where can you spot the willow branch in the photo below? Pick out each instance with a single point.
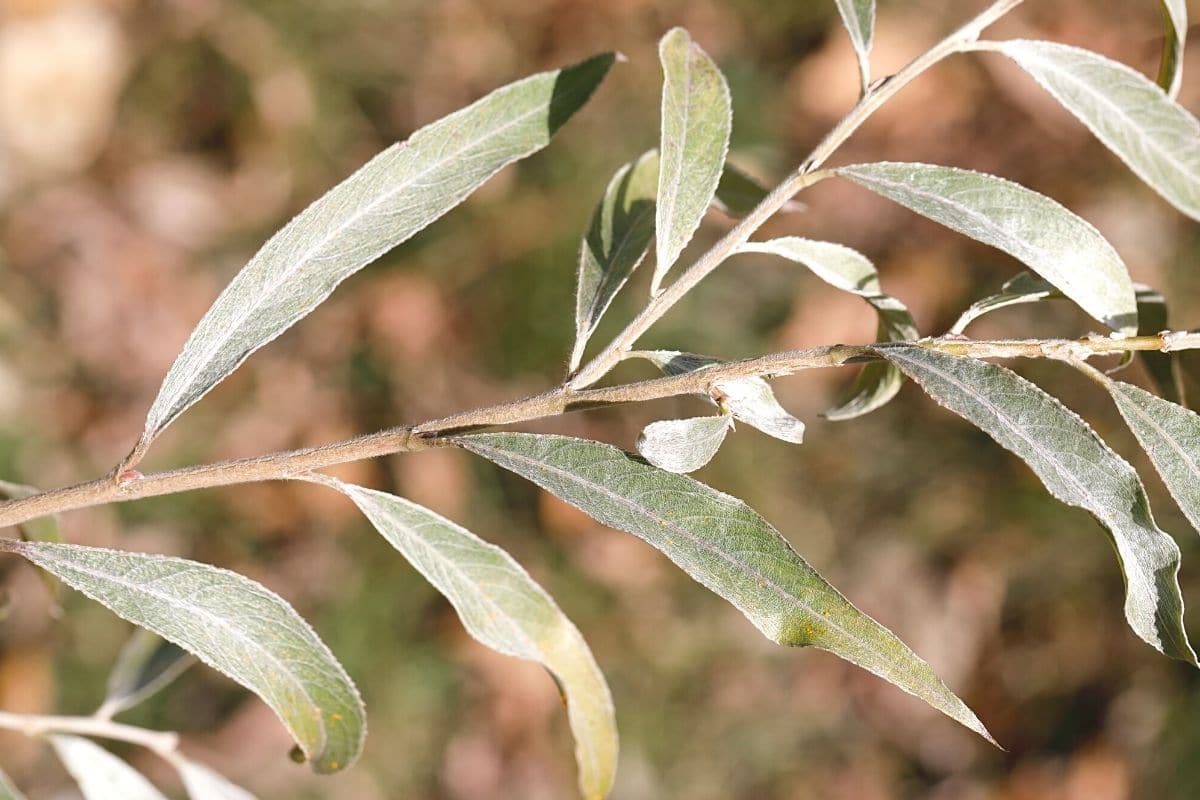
(292, 463)
(808, 174)
(164, 743)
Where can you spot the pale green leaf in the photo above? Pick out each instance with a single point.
(145, 666)
(505, 609)
(723, 544)
(1170, 71)
(8, 790)
(391, 198)
(750, 400)
(1025, 287)
(100, 774)
(1170, 435)
(617, 240)
(683, 445)
(1049, 239)
(1156, 137)
(696, 121)
(851, 271)
(859, 18)
(231, 623)
(1076, 467)
(203, 783)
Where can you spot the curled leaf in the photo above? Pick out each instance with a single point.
(1170, 71)
(749, 400)
(505, 609)
(851, 271)
(231, 623)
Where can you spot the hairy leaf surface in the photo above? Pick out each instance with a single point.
(231, 623)
(720, 542)
(1156, 137)
(683, 445)
(851, 271)
(505, 609)
(145, 666)
(750, 400)
(203, 783)
(859, 18)
(1049, 239)
(617, 240)
(100, 774)
(1076, 467)
(697, 118)
(1170, 435)
(392, 197)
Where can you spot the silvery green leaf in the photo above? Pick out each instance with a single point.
(1160, 366)
(1156, 137)
(231, 623)
(851, 271)
(396, 194)
(683, 445)
(696, 121)
(505, 609)
(750, 400)
(1076, 467)
(1170, 71)
(1170, 435)
(1058, 245)
(617, 240)
(8, 790)
(145, 666)
(203, 783)
(1024, 288)
(720, 542)
(859, 18)
(100, 774)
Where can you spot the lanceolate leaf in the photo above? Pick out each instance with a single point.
(231, 623)
(100, 774)
(1049, 239)
(1175, 20)
(852, 272)
(8, 791)
(683, 445)
(617, 240)
(395, 195)
(750, 400)
(1076, 467)
(146, 664)
(204, 784)
(859, 17)
(1024, 288)
(1170, 435)
(724, 545)
(1155, 136)
(502, 607)
(696, 121)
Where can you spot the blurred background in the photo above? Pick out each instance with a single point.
(147, 147)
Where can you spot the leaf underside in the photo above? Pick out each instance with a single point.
(100, 774)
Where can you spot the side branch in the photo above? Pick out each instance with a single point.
(293, 463)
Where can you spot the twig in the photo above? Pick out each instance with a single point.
(164, 743)
(289, 464)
